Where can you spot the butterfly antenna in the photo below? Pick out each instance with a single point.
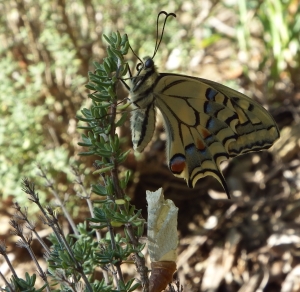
(134, 55)
(157, 43)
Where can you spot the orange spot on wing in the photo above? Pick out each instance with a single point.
(205, 133)
(200, 144)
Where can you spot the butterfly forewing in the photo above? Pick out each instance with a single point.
(256, 128)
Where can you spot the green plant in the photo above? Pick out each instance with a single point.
(275, 26)
(72, 259)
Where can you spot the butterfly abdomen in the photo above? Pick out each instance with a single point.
(142, 126)
(143, 115)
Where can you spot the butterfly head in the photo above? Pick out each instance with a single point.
(145, 77)
(147, 66)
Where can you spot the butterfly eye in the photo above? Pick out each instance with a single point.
(149, 63)
(139, 66)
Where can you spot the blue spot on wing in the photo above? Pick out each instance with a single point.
(211, 123)
(210, 94)
(208, 108)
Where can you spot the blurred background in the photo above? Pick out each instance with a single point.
(249, 243)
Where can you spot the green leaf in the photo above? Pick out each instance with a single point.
(107, 39)
(134, 287)
(99, 190)
(118, 39)
(86, 127)
(84, 119)
(85, 144)
(103, 170)
(122, 120)
(123, 157)
(117, 53)
(88, 153)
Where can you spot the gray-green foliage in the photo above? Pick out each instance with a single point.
(73, 259)
(40, 79)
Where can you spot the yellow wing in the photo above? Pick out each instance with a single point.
(206, 123)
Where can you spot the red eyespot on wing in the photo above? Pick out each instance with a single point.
(177, 163)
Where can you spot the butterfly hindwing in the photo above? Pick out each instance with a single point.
(199, 122)
(206, 126)
(256, 128)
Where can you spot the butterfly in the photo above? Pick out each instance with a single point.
(205, 122)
